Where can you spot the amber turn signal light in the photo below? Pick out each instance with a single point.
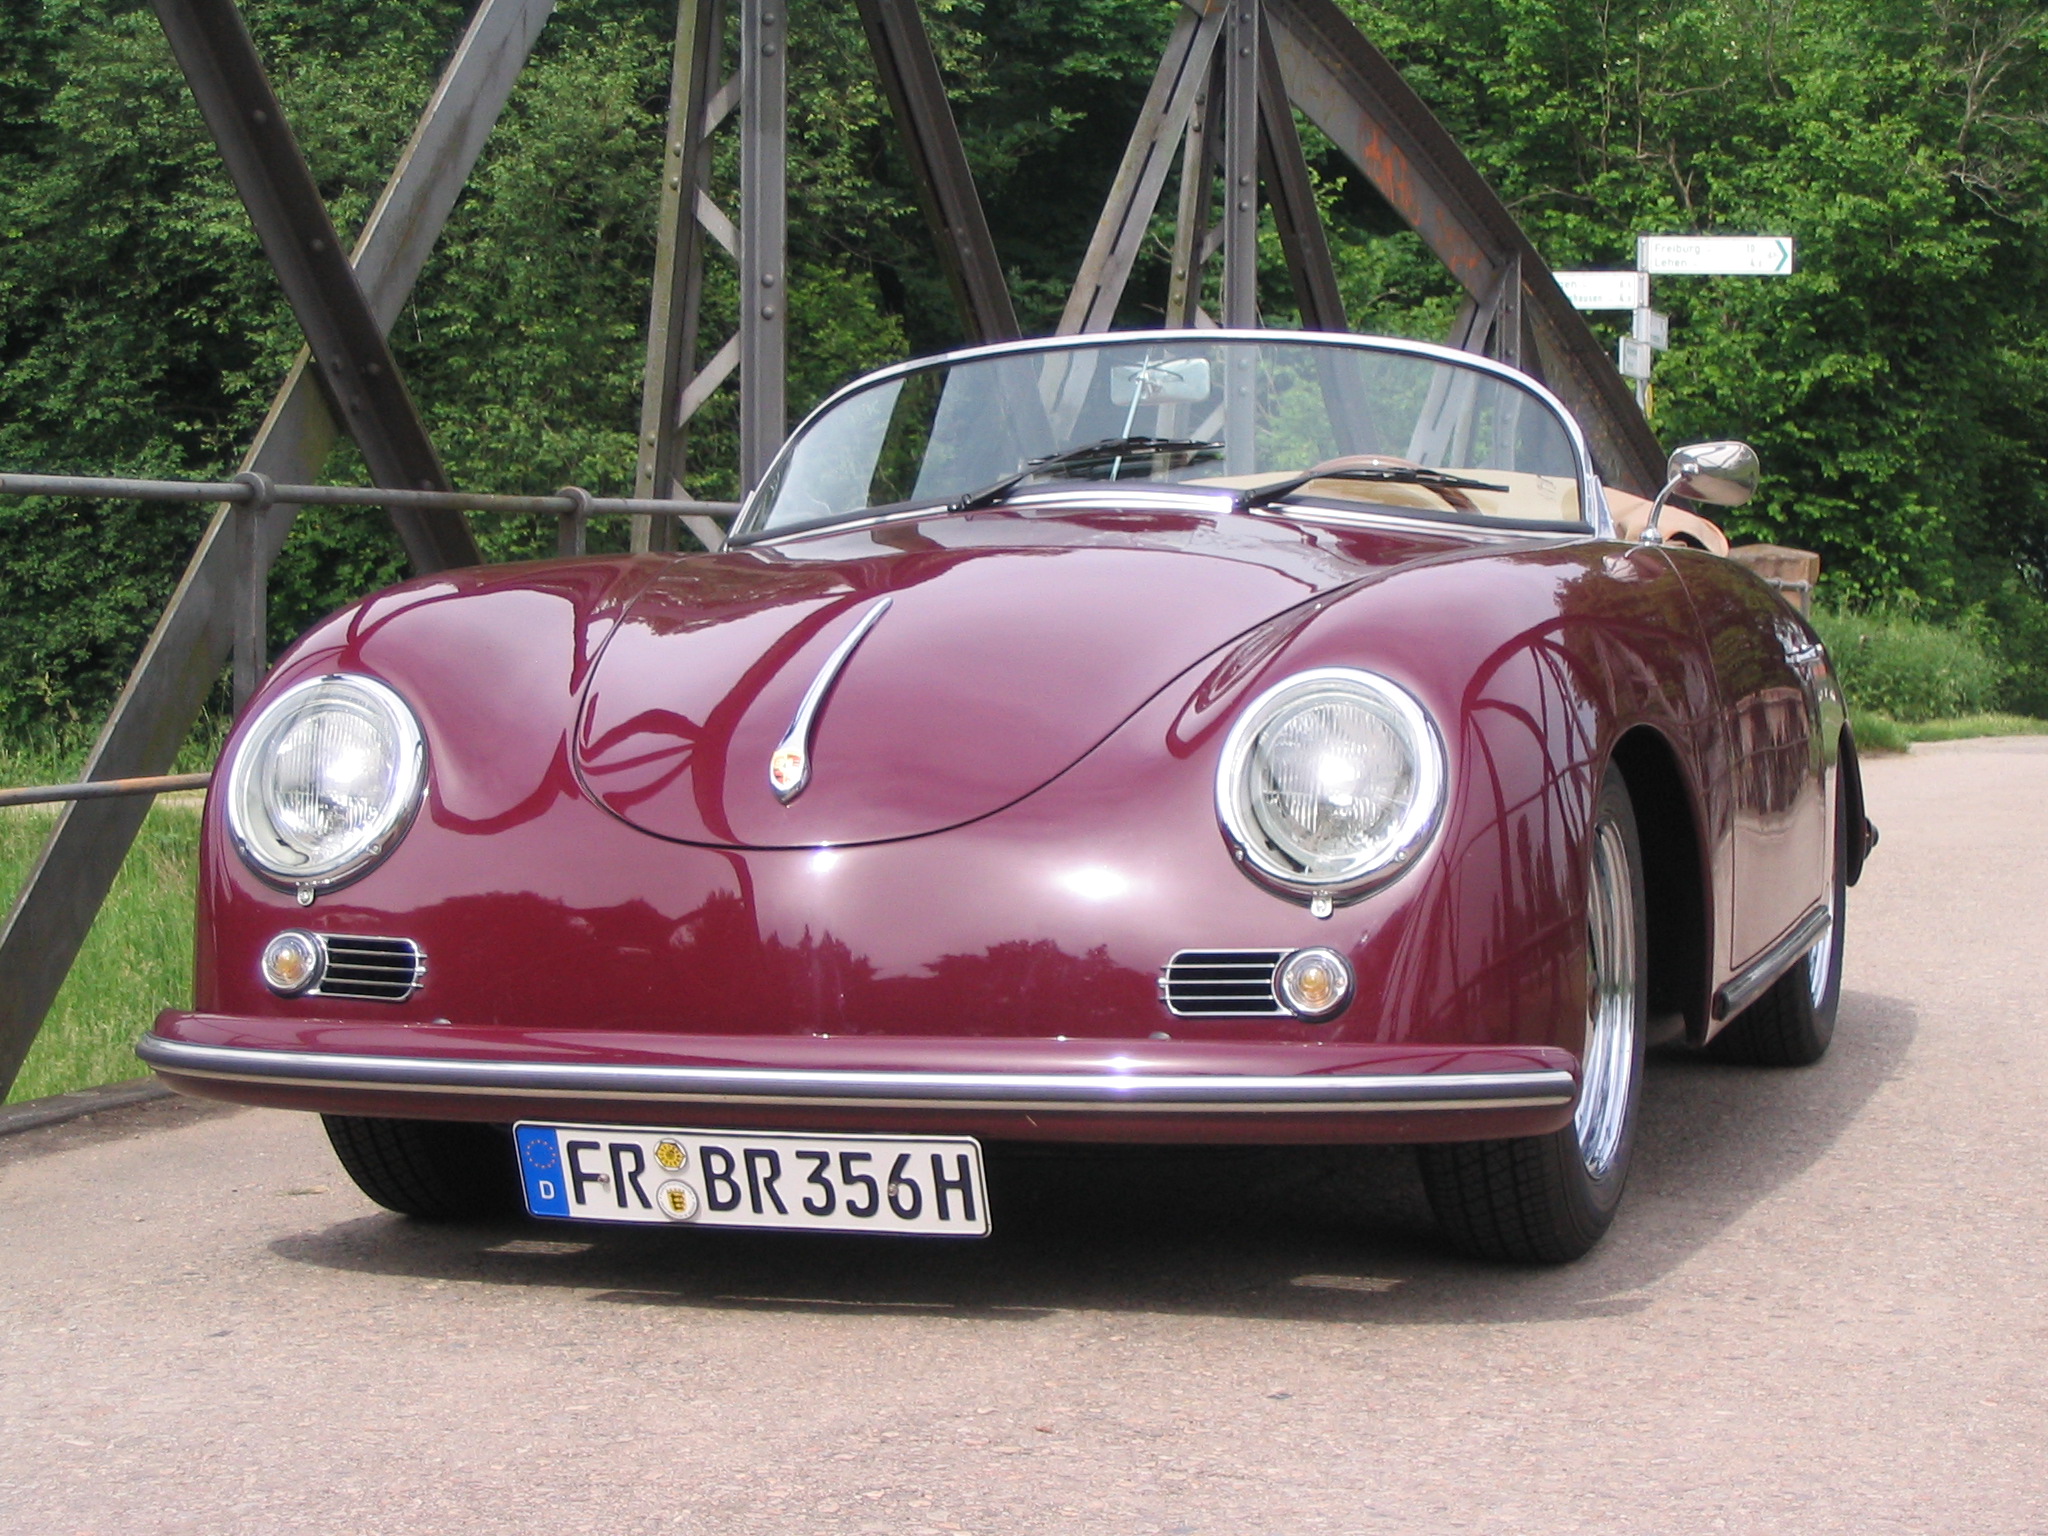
(1314, 983)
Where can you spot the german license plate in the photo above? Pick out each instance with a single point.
(927, 1186)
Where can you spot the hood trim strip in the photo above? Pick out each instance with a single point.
(789, 766)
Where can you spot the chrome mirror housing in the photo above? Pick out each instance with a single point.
(1723, 474)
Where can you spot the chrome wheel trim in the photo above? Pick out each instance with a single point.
(1607, 1065)
(1820, 960)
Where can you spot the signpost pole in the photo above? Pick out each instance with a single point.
(1675, 255)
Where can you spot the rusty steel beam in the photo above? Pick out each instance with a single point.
(1349, 90)
(180, 663)
(938, 163)
(355, 365)
(1192, 214)
(1292, 196)
(1493, 324)
(1240, 45)
(1120, 231)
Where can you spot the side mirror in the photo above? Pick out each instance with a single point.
(1724, 474)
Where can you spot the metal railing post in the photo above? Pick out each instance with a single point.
(251, 592)
(1241, 168)
(678, 266)
(764, 216)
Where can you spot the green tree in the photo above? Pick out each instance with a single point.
(1897, 385)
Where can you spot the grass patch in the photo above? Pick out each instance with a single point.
(1881, 733)
(1878, 732)
(1976, 725)
(137, 960)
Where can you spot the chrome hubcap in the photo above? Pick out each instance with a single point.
(1607, 1067)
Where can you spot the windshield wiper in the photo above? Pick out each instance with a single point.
(1109, 450)
(1433, 479)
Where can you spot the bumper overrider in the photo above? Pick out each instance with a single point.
(1022, 1090)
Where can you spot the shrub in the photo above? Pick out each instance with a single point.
(1907, 668)
(2016, 622)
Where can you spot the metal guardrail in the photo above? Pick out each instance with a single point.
(100, 789)
(251, 494)
(257, 492)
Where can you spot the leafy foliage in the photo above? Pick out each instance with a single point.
(1907, 668)
(1897, 385)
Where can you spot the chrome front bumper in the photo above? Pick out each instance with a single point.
(1205, 1093)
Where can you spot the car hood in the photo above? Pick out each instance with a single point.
(995, 666)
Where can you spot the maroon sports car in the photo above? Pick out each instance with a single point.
(1169, 738)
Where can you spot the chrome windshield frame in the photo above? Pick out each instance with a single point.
(1599, 523)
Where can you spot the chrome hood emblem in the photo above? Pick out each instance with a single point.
(789, 765)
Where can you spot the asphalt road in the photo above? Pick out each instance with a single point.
(1821, 1310)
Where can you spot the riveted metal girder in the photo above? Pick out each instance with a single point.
(353, 360)
(56, 905)
(1192, 247)
(1120, 232)
(1240, 44)
(764, 233)
(938, 162)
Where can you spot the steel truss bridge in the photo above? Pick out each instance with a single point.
(1221, 106)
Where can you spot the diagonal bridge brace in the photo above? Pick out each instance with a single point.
(1311, 56)
(351, 358)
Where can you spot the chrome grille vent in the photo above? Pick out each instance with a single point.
(373, 970)
(1238, 982)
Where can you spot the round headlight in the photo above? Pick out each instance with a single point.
(326, 778)
(1331, 781)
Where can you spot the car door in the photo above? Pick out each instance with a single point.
(1773, 759)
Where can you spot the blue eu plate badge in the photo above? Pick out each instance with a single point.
(540, 1167)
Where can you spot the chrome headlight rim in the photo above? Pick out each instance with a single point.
(1412, 833)
(408, 788)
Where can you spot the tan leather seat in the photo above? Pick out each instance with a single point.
(1632, 516)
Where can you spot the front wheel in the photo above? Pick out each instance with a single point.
(1549, 1199)
(439, 1169)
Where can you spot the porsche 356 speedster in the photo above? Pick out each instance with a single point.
(1172, 738)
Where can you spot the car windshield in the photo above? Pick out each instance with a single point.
(1416, 433)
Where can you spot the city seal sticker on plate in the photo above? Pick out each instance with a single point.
(912, 1186)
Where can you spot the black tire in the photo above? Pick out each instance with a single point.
(1549, 1199)
(438, 1169)
(1793, 1023)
